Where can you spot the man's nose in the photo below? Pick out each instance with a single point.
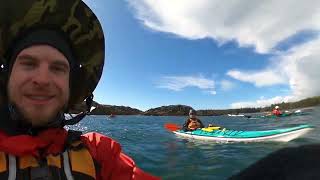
(42, 76)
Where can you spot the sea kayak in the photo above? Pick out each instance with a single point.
(282, 135)
(284, 115)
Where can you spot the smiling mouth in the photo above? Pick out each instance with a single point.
(39, 98)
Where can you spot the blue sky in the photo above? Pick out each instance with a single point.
(208, 54)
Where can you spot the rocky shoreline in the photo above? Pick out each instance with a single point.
(183, 110)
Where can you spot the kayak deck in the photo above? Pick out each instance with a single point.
(285, 134)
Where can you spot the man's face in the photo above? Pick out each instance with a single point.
(39, 83)
(192, 116)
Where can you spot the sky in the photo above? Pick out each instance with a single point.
(208, 54)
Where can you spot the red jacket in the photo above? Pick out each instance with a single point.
(276, 112)
(114, 164)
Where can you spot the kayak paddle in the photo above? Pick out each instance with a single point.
(171, 126)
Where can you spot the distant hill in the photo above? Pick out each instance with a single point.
(219, 112)
(107, 109)
(183, 110)
(308, 102)
(171, 110)
(115, 110)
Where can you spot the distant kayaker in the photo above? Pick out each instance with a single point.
(276, 111)
(192, 123)
(46, 71)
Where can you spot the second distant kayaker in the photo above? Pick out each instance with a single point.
(276, 111)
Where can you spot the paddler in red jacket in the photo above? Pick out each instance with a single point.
(52, 57)
(276, 111)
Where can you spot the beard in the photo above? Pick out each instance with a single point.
(35, 117)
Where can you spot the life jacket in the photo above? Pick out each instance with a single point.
(194, 123)
(75, 162)
(276, 112)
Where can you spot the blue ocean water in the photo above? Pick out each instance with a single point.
(161, 153)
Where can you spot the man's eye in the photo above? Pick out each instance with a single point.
(28, 64)
(59, 69)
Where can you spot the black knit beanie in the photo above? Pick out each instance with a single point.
(37, 37)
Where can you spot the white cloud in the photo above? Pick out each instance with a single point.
(262, 102)
(259, 78)
(300, 65)
(178, 83)
(227, 85)
(261, 24)
(213, 92)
